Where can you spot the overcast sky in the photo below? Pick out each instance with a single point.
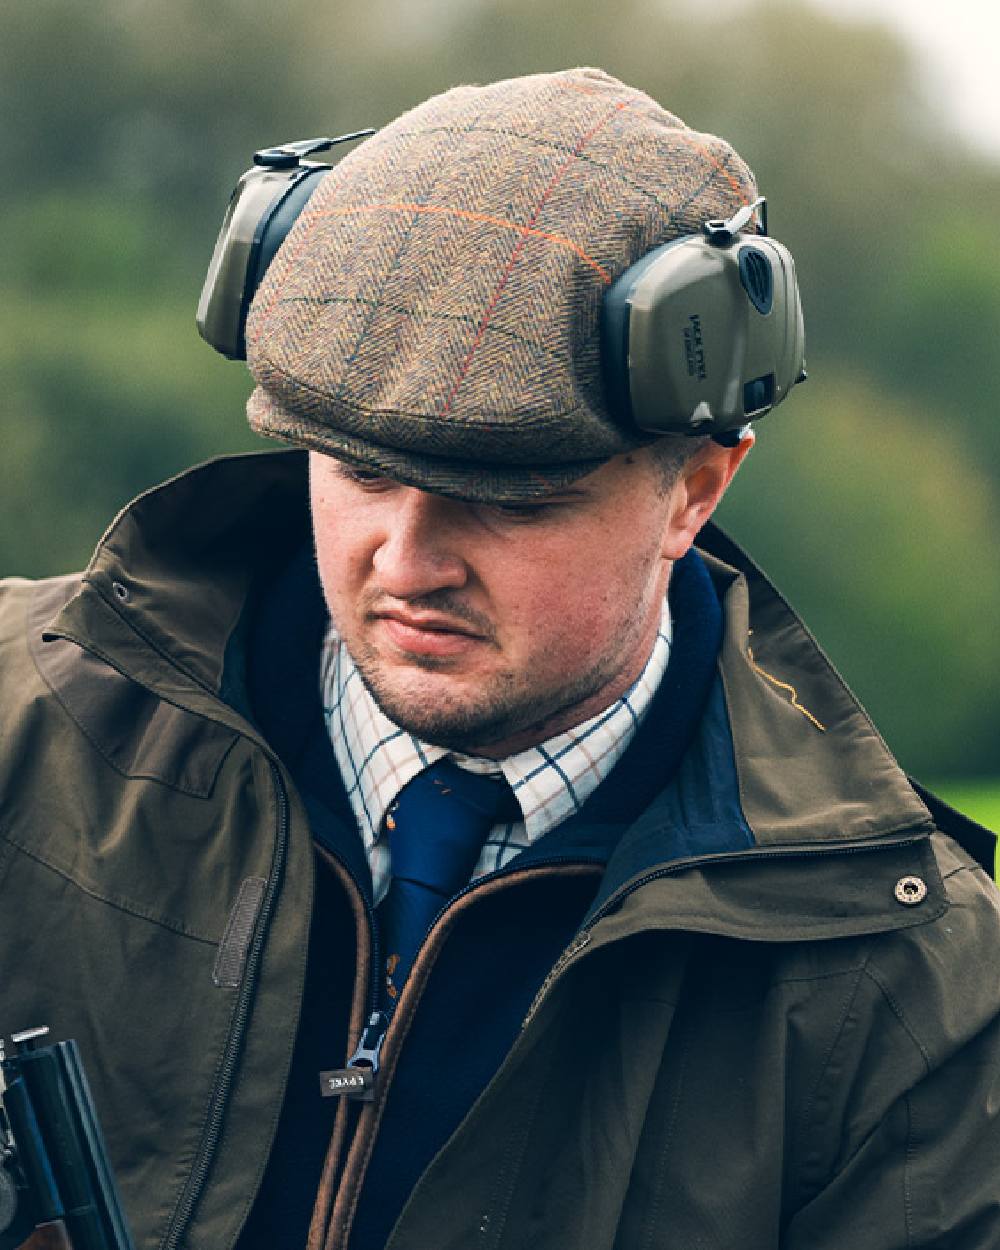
(958, 41)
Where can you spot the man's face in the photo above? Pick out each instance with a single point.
(488, 627)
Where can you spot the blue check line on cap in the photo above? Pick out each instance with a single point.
(421, 314)
(393, 266)
(552, 145)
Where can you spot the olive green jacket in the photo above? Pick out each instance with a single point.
(795, 1045)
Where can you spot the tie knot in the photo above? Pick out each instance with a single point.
(439, 823)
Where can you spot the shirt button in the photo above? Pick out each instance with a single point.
(910, 891)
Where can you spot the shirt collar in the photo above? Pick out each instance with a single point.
(551, 780)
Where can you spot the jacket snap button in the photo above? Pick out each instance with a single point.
(121, 592)
(911, 890)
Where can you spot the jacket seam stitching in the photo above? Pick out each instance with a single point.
(92, 579)
(654, 1223)
(974, 869)
(866, 972)
(821, 931)
(7, 849)
(820, 976)
(900, 1015)
(109, 900)
(908, 1155)
(174, 663)
(908, 1151)
(513, 1160)
(34, 640)
(190, 791)
(838, 1033)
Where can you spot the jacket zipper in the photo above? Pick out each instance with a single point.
(583, 939)
(356, 1080)
(367, 1057)
(374, 1038)
(230, 1057)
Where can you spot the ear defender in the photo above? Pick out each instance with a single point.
(704, 334)
(701, 336)
(262, 209)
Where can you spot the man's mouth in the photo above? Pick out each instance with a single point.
(427, 633)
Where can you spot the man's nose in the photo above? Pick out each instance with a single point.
(420, 548)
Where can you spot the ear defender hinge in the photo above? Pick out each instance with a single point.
(722, 233)
(732, 438)
(288, 155)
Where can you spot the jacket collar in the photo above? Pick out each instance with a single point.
(812, 767)
(165, 596)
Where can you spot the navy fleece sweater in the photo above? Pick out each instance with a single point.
(498, 954)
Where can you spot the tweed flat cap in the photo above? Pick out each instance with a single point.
(433, 314)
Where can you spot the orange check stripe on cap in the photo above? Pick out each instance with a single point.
(525, 231)
(684, 135)
(516, 254)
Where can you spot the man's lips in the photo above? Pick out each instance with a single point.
(427, 633)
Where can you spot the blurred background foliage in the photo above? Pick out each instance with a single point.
(873, 499)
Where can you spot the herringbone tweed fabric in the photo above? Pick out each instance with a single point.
(434, 313)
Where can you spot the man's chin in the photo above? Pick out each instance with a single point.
(435, 708)
(470, 730)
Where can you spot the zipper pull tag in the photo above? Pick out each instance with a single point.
(357, 1080)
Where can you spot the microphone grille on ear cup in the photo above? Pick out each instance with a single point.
(757, 278)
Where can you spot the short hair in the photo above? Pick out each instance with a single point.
(671, 453)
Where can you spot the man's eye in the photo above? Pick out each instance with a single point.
(362, 477)
(523, 511)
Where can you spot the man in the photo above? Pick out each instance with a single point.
(708, 974)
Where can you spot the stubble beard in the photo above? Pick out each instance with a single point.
(504, 710)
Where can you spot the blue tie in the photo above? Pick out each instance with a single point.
(436, 828)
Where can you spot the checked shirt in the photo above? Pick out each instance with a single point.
(550, 781)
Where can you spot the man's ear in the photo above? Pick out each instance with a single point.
(700, 485)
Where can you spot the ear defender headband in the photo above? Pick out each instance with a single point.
(701, 336)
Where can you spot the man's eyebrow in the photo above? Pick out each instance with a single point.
(558, 496)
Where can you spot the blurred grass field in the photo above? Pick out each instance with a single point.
(978, 799)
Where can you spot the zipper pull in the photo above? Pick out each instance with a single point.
(357, 1080)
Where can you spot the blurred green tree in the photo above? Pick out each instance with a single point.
(872, 499)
